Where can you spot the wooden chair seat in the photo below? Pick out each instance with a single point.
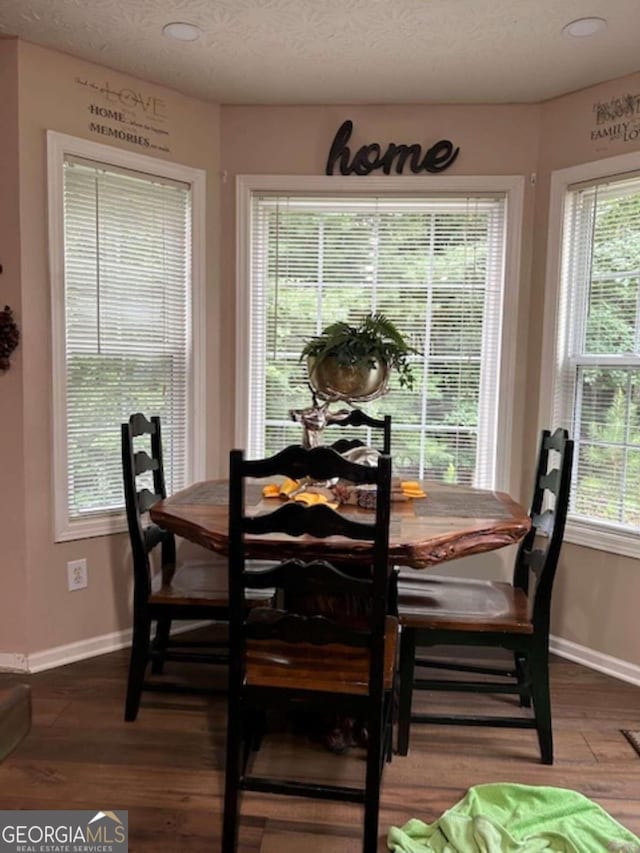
(201, 582)
(332, 668)
(462, 604)
(193, 583)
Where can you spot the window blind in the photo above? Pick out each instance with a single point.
(434, 266)
(127, 271)
(597, 393)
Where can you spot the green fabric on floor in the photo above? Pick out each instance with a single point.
(509, 818)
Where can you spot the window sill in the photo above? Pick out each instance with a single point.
(602, 538)
(87, 528)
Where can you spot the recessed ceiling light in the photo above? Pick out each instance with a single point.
(181, 31)
(583, 28)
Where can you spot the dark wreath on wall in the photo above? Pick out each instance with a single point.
(9, 337)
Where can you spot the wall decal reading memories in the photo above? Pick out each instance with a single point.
(370, 157)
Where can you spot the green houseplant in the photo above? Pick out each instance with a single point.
(353, 361)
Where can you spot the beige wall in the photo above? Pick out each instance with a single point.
(51, 97)
(13, 601)
(597, 593)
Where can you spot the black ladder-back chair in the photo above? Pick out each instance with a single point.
(358, 418)
(196, 590)
(457, 611)
(311, 659)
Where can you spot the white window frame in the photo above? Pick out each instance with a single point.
(580, 531)
(59, 146)
(507, 477)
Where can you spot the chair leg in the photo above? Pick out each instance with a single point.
(373, 779)
(258, 730)
(520, 665)
(232, 780)
(160, 644)
(137, 666)
(407, 663)
(539, 664)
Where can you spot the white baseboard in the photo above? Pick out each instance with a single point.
(13, 662)
(614, 667)
(61, 655)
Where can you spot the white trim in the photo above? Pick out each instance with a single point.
(578, 532)
(13, 662)
(101, 645)
(602, 538)
(512, 185)
(61, 655)
(615, 667)
(59, 145)
(507, 381)
(196, 463)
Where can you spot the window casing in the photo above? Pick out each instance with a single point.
(434, 263)
(594, 382)
(126, 276)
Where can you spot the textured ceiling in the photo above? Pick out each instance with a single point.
(343, 51)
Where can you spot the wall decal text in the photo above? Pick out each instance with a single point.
(367, 159)
(617, 120)
(127, 114)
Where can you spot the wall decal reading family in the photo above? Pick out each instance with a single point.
(127, 114)
(370, 157)
(617, 119)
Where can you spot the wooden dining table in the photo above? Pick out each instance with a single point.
(450, 522)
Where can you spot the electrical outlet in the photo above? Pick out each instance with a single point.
(77, 574)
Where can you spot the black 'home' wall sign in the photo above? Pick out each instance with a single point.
(370, 157)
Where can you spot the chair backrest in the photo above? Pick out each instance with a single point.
(358, 418)
(138, 500)
(548, 513)
(296, 578)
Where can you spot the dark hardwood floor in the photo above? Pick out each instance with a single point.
(166, 768)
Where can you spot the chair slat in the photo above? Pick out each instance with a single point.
(550, 481)
(535, 559)
(146, 500)
(315, 577)
(143, 462)
(271, 624)
(358, 418)
(140, 425)
(153, 535)
(320, 521)
(556, 441)
(294, 464)
(543, 522)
